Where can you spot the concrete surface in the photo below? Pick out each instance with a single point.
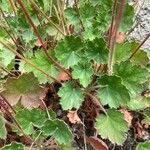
(142, 20)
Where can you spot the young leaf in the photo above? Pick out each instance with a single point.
(132, 76)
(25, 87)
(42, 61)
(96, 50)
(3, 131)
(83, 71)
(112, 126)
(59, 130)
(143, 146)
(14, 146)
(29, 118)
(67, 50)
(112, 92)
(70, 97)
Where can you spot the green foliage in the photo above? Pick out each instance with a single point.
(143, 146)
(83, 71)
(96, 50)
(14, 146)
(132, 76)
(76, 38)
(70, 96)
(59, 130)
(112, 91)
(112, 126)
(30, 118)
(67, 51)
(42, 61)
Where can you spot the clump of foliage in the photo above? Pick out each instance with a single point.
(81, 48)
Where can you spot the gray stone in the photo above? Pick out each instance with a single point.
(142, 19)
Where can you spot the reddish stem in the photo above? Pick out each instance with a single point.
(40, 38)
(139, 46)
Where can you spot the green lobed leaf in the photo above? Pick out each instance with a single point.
(83, 71)
(143, 146)
(132, 76)
(112, 91)
(27, 119)
(42, 61)
(59, 130)
(14, 146)
(3, 131)
(70, 96)
(67, 51)
(72, 16)
(112, 126)
(96, 50)
(25, 87)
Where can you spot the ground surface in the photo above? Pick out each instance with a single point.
(142, 20)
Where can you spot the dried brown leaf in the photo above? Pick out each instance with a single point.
(97, 143)
(73, 117)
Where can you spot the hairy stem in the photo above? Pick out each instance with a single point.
(120, 10)
(112, 22)
(46, 17)
(139, 46)
(78, 12)
(40, 38)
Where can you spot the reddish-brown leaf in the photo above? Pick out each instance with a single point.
(97, 143)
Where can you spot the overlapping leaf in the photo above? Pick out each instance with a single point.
(132, 76)
(112, 126)
(59, 130)
(25, 87)
(83, 71)
(70, 96)
(112, 92)
(67, 51)
(96, 50)
(42, 61)
(30, 118)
